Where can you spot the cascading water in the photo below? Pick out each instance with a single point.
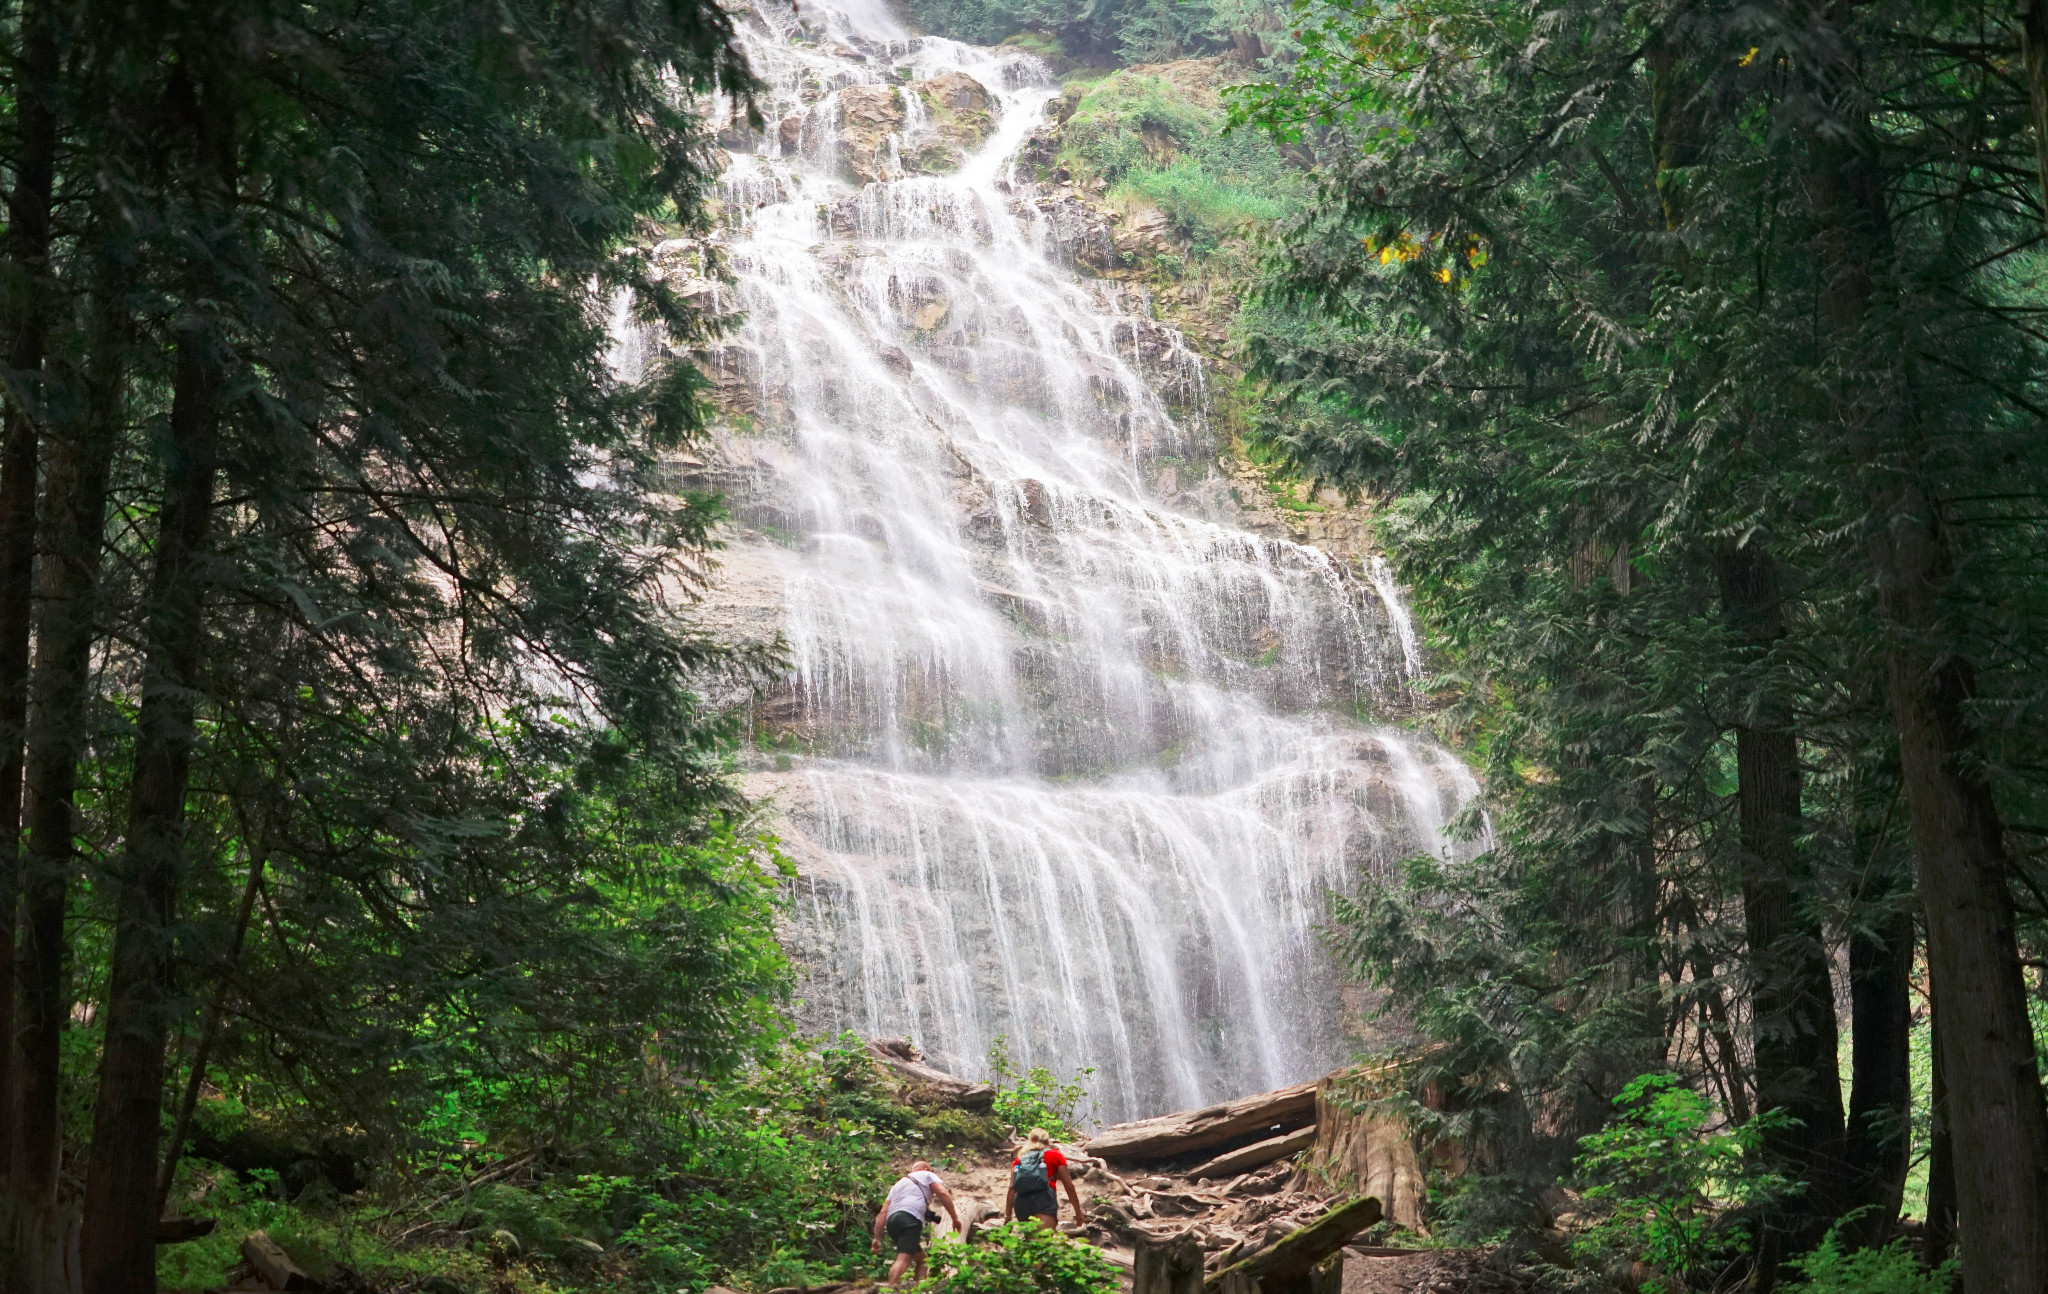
(1066, 752)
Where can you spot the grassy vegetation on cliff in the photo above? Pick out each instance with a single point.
(1157, 137)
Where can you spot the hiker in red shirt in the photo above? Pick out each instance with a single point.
(1032, 1174)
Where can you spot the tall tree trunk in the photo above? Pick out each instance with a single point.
(1792, 998)
(2034, 53)
(29, 292)
(120, 1190)
(1881, 1082)
(73, 528)
(1997, 1120)
(1941, 1149)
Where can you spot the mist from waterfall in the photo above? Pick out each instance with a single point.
(1065, 751)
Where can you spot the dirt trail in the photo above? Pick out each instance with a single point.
(1130, 1207)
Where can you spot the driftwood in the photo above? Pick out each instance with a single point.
(973, 1213)
(1359, 1151)
(1304, 1261)
(1177, 1134)
(1234, 1162)
(273, 1264)
(921, 1084)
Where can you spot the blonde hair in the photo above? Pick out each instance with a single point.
(1038, 1137)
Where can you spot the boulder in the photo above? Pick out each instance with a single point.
(955, 92)
(959, 117)
(868, 116)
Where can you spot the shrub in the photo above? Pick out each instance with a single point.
(1021, 1258)
(1666, 1184)
(1033, 1098)
(1890, 1270)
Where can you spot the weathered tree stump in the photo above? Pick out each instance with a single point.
(1170, 1267)
(1360, 1150)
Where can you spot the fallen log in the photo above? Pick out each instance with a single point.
(273, 1264)
(921, 1084)
(973, 1214)
(1233, 1162)
(176, 1231)
(1304, 1261)
(1168, 1135)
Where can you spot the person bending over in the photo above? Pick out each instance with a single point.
(903, 1215)
(1032, 1175)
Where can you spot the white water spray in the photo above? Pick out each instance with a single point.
(1066, 752)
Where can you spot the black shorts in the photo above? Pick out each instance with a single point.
(907, 1230)
(1038, 1204)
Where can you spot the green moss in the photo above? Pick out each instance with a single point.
(952, 1128)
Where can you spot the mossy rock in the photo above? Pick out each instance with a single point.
(960, 117)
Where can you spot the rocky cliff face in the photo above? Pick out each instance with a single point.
(1195, 293)
(887, 132)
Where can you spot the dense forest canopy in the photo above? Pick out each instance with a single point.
(366, 831)
(1697, 349)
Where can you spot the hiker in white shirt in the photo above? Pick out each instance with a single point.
(903, 1215)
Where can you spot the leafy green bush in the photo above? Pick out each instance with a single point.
(1021, 1258)
(959, 1128)
(1111, 127)
(1202, 204)
(1890, 1270)
(1033, 1098)
(1666, 1184)
(1154, 141)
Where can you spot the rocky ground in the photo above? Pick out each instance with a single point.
(1198, 1195)
(1129, 1207)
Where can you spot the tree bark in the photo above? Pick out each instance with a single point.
(1941, 1151)
(1997, 1120)
(120, 1193)
(1247, 1118)
(1993, 1097)
(2034, 53)
(30, 292)
(1792, 1000)
(1881, 1083)
(73, 527)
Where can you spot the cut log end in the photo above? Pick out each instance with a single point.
(176, 1231)
(274, 1265)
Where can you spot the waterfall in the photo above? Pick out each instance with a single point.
(1067, 751)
